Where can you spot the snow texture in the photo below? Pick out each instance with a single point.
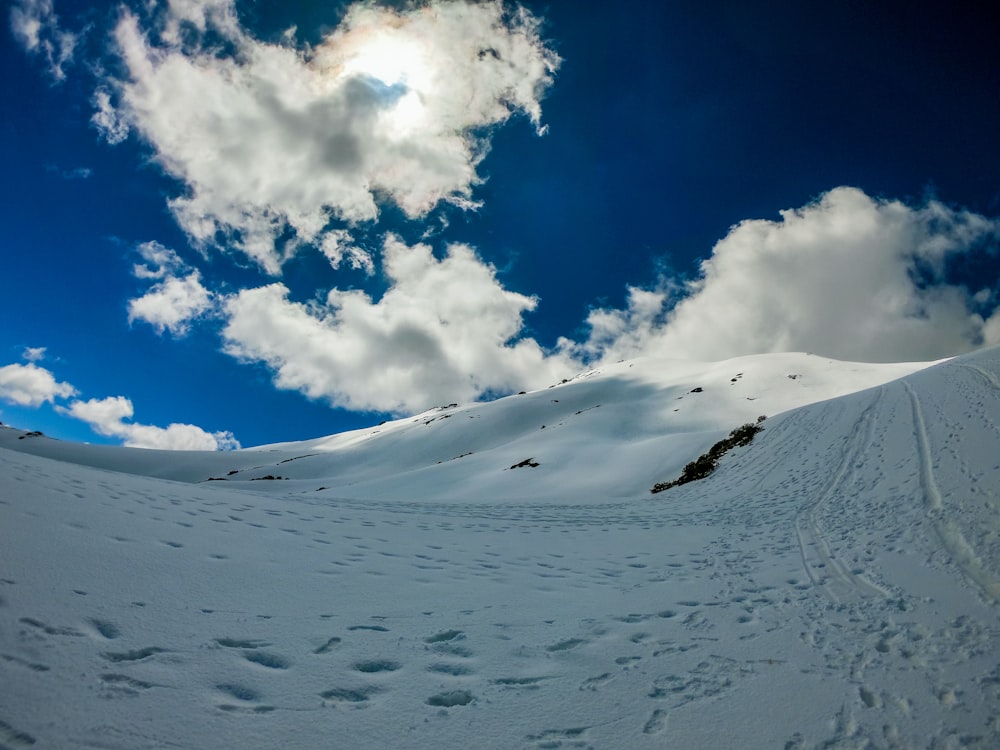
(499, 576)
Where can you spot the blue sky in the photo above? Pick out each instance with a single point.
(271, 221)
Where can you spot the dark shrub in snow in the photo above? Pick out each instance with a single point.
(706, 463)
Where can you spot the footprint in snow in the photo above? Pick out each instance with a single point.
(452, 649)
(230, 708)
(106, 629)
(14, 738)
(120, 685)
(551, 738)
(328, 646)
(350, 695)
(528, 683)
(265, 659)
(445, 635)
(134, 655)
(453, 670)
(566, 645)
(49, 629)
(33, 666)
(241, 643)
(377, 665)
(656, 723)
(239, 692)
(451, 699)
(593, 683)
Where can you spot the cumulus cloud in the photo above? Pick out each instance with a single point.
(31, 385)
(107, 416)
(34, 353)
(444, 331)
(172, 304)
(277, 145)
(177, 297)
(36, 26)
(848, 276)
(275, 142)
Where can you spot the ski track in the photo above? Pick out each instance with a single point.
(817, 559)
(692, 619)
(988, 376)
(952, 539)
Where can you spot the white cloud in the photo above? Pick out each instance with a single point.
(174, 301)
(444, 332)
(158, 261)
(197, 16)
(338, 247)
(109, 123)
(36, 27)
(107, 417)
(31, 385)
(34, 353)
(172, 304)
(271, 140)
(848, 276)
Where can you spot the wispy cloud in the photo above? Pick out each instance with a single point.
(77, 173)
(848, 276)
(112, 125)
(31, 385)
(276, 145)
(339, 248)
(36, 27)
(107, 416)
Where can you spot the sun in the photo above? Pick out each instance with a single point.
(395, 61)
(382, 58)
(389, 58)
(387, 51)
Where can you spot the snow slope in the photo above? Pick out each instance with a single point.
(834, 584)
(610, 433)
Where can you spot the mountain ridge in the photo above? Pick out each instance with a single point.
(649, 416)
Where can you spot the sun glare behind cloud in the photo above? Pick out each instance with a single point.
(396, 60)
(387, 58)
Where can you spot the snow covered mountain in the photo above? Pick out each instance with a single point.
(498, 575)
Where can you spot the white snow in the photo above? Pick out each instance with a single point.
(834, 584)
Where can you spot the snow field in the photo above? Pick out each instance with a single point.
(831, 585)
